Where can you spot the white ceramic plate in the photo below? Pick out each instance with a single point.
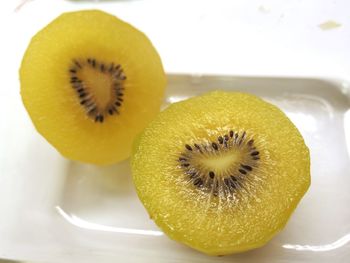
(56, 210)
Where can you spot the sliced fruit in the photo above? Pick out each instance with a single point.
(90, 83)
(222, 172)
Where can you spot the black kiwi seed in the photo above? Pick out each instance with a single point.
(188, 147)
(242, 171)
(211, 174)
(246, 167)
(254, 153)
(215, 146)
(231, 134)
(198, 182)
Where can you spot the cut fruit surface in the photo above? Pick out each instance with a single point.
(90, 83)
(221, 172)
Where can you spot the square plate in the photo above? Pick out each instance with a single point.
(53, 209)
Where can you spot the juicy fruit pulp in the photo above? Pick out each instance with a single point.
(90, 83)
(221, 172)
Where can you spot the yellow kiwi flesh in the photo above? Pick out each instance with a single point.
(222, 172)
(90, 83)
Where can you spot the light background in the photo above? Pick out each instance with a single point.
(237, 37)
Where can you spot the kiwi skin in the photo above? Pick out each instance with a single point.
(140, 146)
